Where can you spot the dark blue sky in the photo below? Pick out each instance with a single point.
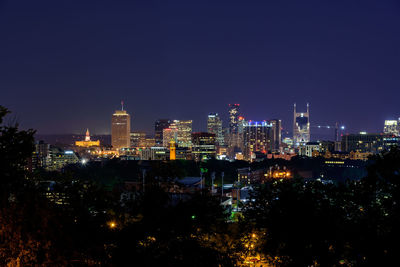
(66, 65)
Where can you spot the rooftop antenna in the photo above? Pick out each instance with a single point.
(122, 105)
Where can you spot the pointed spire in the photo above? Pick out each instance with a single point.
(87, 137)
(122, 105)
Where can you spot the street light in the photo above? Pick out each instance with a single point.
(112, 224)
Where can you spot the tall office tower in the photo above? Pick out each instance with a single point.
(184, 132)
(203, 146)
(120, 129)
(233, 118)
(276, 135)
(257, 138)
(392, 127)
(159, 126)
(169, 135)
(214, 126)
(301, 127)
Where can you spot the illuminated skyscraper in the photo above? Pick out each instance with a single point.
(203, 146)
(214, 126)
(392, 127)
(257, 138)
(159, 126)
(233, 118)
(184, 132)
(301, 127)
(120, 129)
(169, 135)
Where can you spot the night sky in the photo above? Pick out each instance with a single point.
(66, 65)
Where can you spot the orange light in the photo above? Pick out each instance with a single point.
(112, 225)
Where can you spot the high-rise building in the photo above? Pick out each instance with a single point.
(301, 127)
(120, 129)
(276, 135)
(159, 126)
(138, 139)
(233, 117)
(392, 127)
(184, 132)
(214, 126)
(203, 146)
(169, 135)
(257, 138)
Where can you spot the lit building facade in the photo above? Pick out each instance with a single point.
(154, 153)
(120, 129)
(169, 135)
(392, 127)
(214, 126)
(138, 139)
(308, 149)
(159, 126)
(234, 118)
(364, 142)
(301, 127)
(184, 132)
(87, 142)
(203, 146)
(257, 138)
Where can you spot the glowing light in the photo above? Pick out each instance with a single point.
(112, 224)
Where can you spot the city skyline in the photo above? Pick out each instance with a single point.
(201, 126)
(65, 67)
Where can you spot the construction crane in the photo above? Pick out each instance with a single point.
(336, 127)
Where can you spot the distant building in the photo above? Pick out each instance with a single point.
(257, 138)
(41, 157)
(234, 118)
(154, 153)
(301, 127)
(203, 146)
(276, 134)
(51, 158)
(172, 150)
(184, 132)
(149, 142)
(308, 149)
(159, 126)
(120, 129)
(87, 142)
(392, 127)
(61, 158)
(214, 126)
(365, 142)
(169, 135)
(234, 135)
(138, 139)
